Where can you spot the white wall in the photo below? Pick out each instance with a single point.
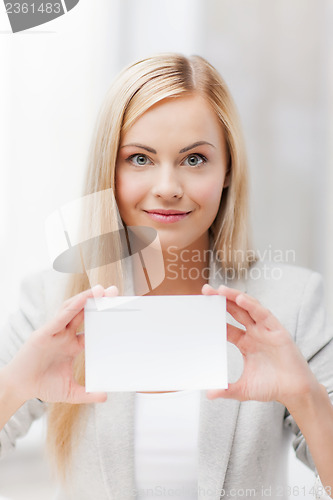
(274, 58)
(56, 76)
(159, 26)
(328, 240)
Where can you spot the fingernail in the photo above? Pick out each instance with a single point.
(96, 287)
(112, 291)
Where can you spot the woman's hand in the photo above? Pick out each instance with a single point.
(43, 367)
(274, 368)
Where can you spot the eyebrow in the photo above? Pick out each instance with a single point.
(188, 148)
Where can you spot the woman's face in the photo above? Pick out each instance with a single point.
(171, 169)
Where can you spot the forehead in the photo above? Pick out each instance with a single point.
(177, 119)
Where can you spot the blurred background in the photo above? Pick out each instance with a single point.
(277, 59)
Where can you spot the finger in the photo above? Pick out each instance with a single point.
(233, 392)
(81, 340)
(89, 292)
(234, 334)
(74, 307)
(216, 393)
(77, 346)
(239, 314)
(236, 312)
(78, 301)
(80, 396)
(229, 293)
(76, 321)
(258, 312)
(208, 290)
(112, 291)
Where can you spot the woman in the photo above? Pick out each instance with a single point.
(169, 144)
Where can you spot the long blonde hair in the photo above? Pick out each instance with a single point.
(136, 89)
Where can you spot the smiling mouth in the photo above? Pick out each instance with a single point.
(163, 211)
(167, 216)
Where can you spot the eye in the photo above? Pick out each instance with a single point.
(139, 160)
(195, 160)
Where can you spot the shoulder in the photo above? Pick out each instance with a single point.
(276, 282)
(295, 295)
(269, 281)
(41, 294)
(267, 277)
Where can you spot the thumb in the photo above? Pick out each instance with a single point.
(216, 393)
(231, 393)
(80, 396)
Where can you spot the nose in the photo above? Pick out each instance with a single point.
(167, 183)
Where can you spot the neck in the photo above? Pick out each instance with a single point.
(186, 269)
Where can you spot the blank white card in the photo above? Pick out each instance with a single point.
(156, 343)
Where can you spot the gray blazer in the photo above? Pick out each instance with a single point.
(242, 446)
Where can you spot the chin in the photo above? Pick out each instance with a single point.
(180, 242)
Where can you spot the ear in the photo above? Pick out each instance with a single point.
(227, 178)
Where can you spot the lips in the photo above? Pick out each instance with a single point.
(167, 216)
(162, 211)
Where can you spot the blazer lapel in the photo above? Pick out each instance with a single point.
(216, 431)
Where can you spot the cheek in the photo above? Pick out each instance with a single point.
(209, 194)
(128, 191)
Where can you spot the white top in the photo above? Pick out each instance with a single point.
(166, 445)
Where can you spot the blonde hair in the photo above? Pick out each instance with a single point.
(136, 89)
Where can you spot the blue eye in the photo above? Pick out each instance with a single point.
(141, 160)
(193, 160)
